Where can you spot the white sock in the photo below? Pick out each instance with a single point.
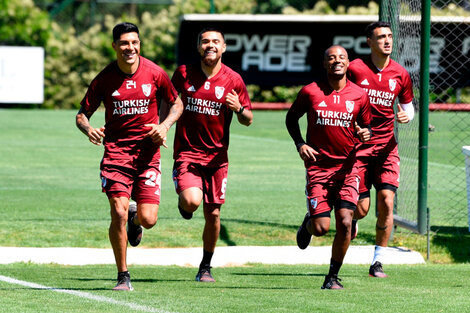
(378, 254)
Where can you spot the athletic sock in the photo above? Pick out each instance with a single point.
(206, 259)
(334, 267)
(378, 254)
(123, 274)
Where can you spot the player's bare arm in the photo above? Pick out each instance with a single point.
(245, 117)
(292, 123)
(82, 120)
(158, 132)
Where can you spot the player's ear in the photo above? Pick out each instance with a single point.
(368, 41)
(224, 47)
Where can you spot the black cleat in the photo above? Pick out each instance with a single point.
(376, 270)
(124, 283)
(134, 232)
(186, 215)
(332, 282)
(204, 276)
(303, 236)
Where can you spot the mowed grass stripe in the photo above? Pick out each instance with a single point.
(82, 294)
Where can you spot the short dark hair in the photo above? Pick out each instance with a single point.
(370, 28)
(209, 29)
(123, 28)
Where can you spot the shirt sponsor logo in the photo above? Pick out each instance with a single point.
(146, 89)
(380, 97)
(131, 107)
(203, 106)
(219, 92)
(334, 118)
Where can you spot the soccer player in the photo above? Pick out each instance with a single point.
(212, 94)
(130, 89)
(338, 113)
(378, 162)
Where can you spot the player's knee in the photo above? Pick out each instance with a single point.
(148, 222)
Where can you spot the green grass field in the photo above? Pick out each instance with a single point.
(50, 197)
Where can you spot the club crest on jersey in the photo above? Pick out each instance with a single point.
(392, 83)
(146, 88)
(313, 203)
(349, 106)
(219, 92)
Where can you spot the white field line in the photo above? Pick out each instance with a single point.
(81, 294)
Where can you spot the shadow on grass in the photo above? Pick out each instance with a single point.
(455, 239)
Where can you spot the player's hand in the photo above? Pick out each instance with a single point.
(307, 153)
(363, 133)
(402, 116)
(95, 135)
(233, 101)
(157, 133)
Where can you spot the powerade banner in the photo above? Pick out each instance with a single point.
(276, 50)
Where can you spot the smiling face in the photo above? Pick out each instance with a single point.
(381, 41)
(127, 49)
(336, 61)
(211, 46)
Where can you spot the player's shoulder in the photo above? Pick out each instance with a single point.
(355, 88)
(228, 72)
(150, 65)
(358, 64)
(394, 65)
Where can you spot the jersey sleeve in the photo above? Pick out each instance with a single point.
(243, 95)
(93, 97)
(406, 94)
(178, 80)
(300, 105)
(165, 88)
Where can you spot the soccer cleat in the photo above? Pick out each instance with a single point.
(332, 282)
(124, 283)
(134, 232)
(354, 229)
(303, 236)
(186, 215)
(376, 270)
(204, 276)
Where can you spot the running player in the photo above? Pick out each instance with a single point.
(338, 112)
(378, 162)
(130, 89)
(212, 94)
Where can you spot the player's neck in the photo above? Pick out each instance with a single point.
(380, 61)
(337, 84)
(211, 71)
(129, 68)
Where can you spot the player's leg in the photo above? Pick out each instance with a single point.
(215, 183)
(387, 172)
(146, 191)
(343, 217)
(188, 185)
(118, 239)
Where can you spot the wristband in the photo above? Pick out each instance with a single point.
(241, 110)
(300, 144)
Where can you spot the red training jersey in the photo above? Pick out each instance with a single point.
(331, 117)
(130, 101)
(382, 87)
(202, 131)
